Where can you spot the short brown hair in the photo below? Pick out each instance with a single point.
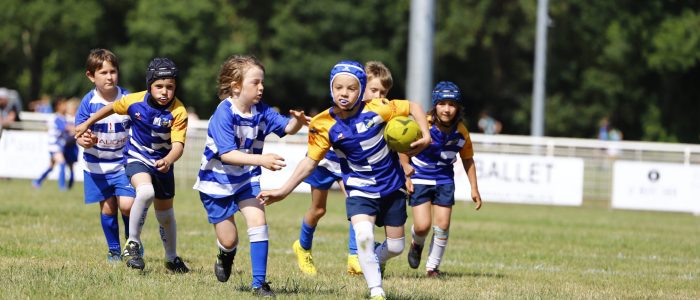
(97, 57)
(233, 69)
(376, 69)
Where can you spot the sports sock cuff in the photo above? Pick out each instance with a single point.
(258, 234)
(224, 249)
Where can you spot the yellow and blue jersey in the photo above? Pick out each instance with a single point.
(154, 128)
(434, 165)
(369, 168)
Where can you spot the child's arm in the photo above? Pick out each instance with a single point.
(99, 115)
(469, 167)
(408, 170)
(303, 170)
(163, 164)
(298, 119)
(87, 139)
(419, 116)
(270, 161)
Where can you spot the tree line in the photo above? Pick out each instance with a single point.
(635, 62)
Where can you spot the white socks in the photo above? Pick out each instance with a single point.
(390, 248)
(437, 248)
(168, 232)
(139, 210)
(419, 240)
(364, 234)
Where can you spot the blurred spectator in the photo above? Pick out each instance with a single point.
(603, 127)
(41, 105)
(608, 133)
(489, 125)
(10, 107)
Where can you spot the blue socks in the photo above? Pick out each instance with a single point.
(62, 177)
(352, 243)
(306, 236)
(110, 226)
(258, 259)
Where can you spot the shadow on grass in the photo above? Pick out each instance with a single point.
(447, 275)
(293, 287)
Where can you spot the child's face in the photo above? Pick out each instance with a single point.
(163, 90)
(346, 90)
(375, 89)
(446, 111)
(105, 78)
(250, 91)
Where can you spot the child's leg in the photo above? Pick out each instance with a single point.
(125, 204)
(144, 197)
(315, 212)
(38, 181)
(364, 234)
(394, 244)
(254, 214)
(71, 175)
(227, 241)
(422, 220)
(60, 160)
(165, 213)
(440, 235)
(110, 223)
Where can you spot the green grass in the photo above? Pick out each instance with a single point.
(51, 246)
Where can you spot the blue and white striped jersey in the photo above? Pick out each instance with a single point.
(369, 168)
(107, 156)
(57, 133)
(434, 165)
(231, 130)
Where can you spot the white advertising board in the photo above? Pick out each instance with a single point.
(25, 154)
(524, 179)
(293, 154)
(656, 186)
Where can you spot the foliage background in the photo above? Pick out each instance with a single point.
(634, 61)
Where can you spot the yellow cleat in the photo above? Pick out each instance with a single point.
(354, 265)
(306, 262)
(378, 297)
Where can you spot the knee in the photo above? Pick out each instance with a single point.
(421, 229)
(145, 191)
(441, 234)
(395, 246)
(364, 233)
(319, 212)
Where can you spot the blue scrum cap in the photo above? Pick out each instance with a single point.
(354, 69)
(446, 90)
(160, 68)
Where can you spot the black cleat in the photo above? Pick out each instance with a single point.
(414, 253)
(264, 291)
(132, 255)
(223, 265)
(177, 265)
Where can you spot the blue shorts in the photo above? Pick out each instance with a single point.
(440, 194)
(389, 210)
(220, 209)
(99, 187)
(163, 183)
(70, 153)
(322, 179)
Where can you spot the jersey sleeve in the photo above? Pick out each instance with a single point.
(221, 131)
(121, 106)
(83, 110)
(319, 142)
(467, 150)
(276, 123)
(178, 132)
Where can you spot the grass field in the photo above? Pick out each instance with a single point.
(51, 246)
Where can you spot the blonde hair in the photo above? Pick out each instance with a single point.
(376, 69)
(232, 71)
(97, 57)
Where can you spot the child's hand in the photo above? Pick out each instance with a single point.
(163, 165)
(419, 145)
(80, 129)
(269, 197)
(272, 162)
(300, 116)
(476, 197)
(87, 139)
(408, 170)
